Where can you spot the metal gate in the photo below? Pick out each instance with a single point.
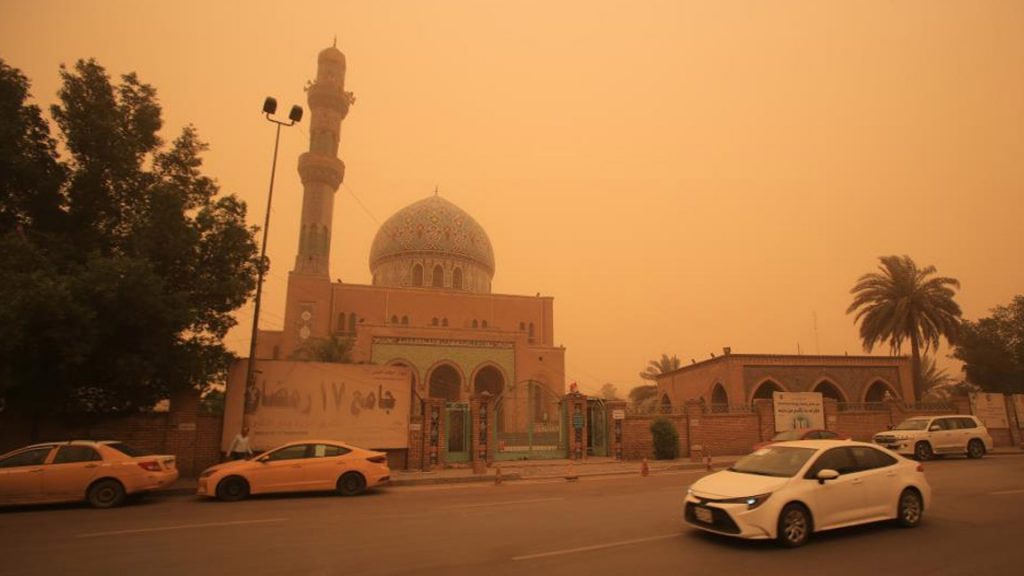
(529, 423)
(597, 427)
(458, 432)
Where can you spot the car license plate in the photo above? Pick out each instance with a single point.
(703, 514)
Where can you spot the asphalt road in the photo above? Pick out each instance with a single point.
(616, 525)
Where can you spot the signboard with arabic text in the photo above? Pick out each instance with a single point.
(362, 405)
(798, 410)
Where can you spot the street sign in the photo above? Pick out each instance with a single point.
(618, 414)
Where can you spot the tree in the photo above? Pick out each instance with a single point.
(992, 349)
(661, 366)
(666, 439)
(333, 349)
(609, 391)
(900, 303)
(122, 266)
(212, 402)
(644, 399)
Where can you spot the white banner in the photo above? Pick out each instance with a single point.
(363, 405)
(798, 410)
(990, 409)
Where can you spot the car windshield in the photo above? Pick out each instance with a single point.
(794, 434)
(913, 424)
(126, 449)
(780, 461)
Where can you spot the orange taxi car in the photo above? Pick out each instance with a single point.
(301, 466)
(101, 473)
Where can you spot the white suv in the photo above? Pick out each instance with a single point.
(926, 436)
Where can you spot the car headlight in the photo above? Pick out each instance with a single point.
(751, 501)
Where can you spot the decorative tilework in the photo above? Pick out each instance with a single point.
(432, 225)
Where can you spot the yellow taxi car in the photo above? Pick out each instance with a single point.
(301, 466)
(101, 473)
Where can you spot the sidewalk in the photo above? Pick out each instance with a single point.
(543, 470)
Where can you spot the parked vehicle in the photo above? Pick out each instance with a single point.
(926, 436)
(101, 473)
(302, 466)
(801, 434)
(787, 491)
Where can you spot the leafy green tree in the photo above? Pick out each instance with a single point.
(901, 303)
(643, 398)
(666, 439)
(609, 391)
(662, 365)
(212, 402)
(122, 265)
(334, 349)
(992, 349)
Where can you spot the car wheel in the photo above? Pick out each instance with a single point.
(794, 526)
(232, 489)
(910, 509)
(923, 451)
(351, 483)
(975, 449)
(106, 494)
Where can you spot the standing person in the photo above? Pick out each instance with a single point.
(239, 447)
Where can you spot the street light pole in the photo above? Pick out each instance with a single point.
(251, 400)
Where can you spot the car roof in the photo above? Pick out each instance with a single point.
(820, 444)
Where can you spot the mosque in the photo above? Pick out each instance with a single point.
(430, 307)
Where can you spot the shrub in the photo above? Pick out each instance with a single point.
(666, 439)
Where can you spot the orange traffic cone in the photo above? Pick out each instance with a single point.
(497, 474)
(644, 469)
(570, 475)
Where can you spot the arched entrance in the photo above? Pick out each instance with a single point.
(529, 422)
(719, 399)
(665, 406)
(444, 382)
(766, 389)
(489, 379)
(879, 392)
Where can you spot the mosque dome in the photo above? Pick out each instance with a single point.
(432, 234)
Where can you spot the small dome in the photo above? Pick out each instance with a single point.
(331, 54)
(432, 227)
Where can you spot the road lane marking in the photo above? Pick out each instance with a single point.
(1008, 492)
(505, 502)
(595, 547)
(179, 527)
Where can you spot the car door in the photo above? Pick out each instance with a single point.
(21, 476)
(280, 470)
(839, 501)
(881, 482)
(943, 433)
(327, 464)
(72, 471)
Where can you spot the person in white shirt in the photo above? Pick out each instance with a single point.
(239, 447)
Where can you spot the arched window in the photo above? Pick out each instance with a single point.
(829, 390)
(531, 329)
(719, 399)
(476, 324)
(405, 320)
(352, 322)
(438, 281)
(765, 390)
(484, 324)
(444, 321)
(417, 275)
(666, 404)
(394, 319)
(880, 391)
(457, 279)
(445, 382)
(434, 321)
(341, 322)
(522, 326)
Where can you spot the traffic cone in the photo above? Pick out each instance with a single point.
(644, 469)
(497, 474)
(570, 475)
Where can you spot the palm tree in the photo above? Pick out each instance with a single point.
(902, 303)
(661, 366)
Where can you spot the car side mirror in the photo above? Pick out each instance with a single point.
(262, 459)
(827, 474)
(935, 428)
(890, 427)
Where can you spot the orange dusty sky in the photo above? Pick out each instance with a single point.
(680, 176)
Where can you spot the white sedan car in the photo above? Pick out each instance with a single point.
(788, 490)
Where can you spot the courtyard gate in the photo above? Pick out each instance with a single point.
(529, 423)
(458, 431)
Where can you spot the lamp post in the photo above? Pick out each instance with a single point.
(294, 116)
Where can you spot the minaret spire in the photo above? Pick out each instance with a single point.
(320, 168)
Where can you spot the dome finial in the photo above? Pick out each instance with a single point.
(435, 189)
(335, 45)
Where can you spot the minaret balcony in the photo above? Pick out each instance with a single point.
(320, 169)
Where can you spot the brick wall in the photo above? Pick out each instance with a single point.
(637, 441)
(725, 434)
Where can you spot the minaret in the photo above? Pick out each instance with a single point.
(320, 168)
